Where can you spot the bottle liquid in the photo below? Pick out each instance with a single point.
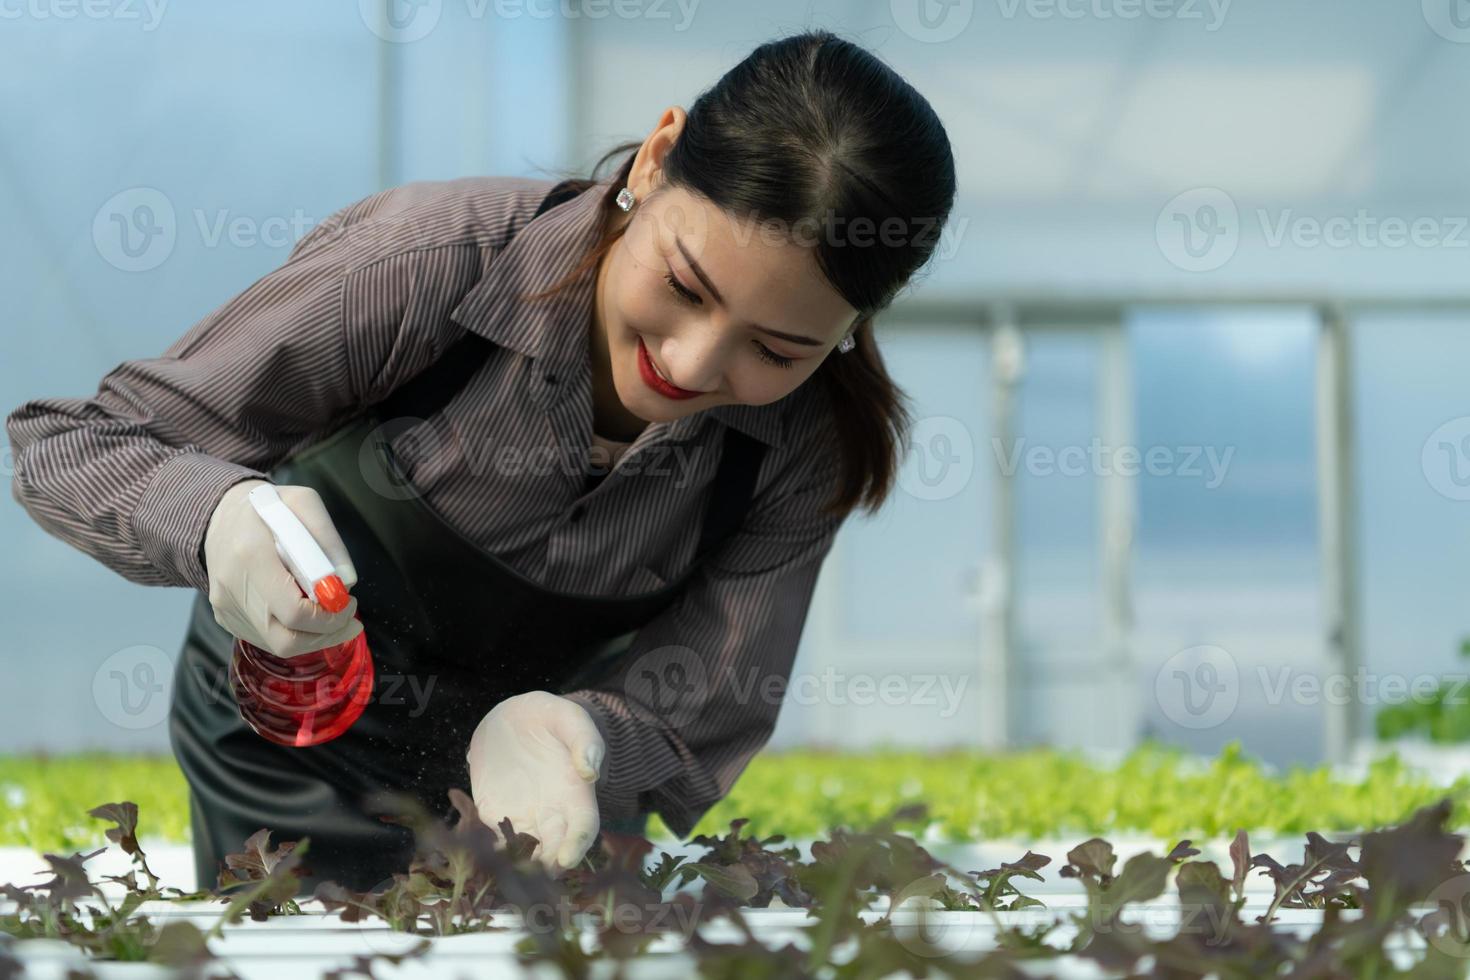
(314, 697)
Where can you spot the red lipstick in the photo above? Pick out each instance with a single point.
(658, 384)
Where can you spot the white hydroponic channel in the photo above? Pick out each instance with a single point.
(305, 946)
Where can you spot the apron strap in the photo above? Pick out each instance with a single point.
(731, 492)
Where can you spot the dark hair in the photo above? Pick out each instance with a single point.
(812, 128)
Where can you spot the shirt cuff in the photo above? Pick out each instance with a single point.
(612, 802)
(174, 511)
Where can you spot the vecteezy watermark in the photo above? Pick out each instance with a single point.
(931, 932)
(833, 230)
(835, 687)
(406, 21)
(1363, 686)
(7, 461)
(664, 218)
(136, 229)
(558, 915)
(131, 687)
(147, 13)
(1450, 19)
(1211, 13)
(1096, 459)
(1198, 687)
(1363, 229)
(1200, 230)
(411, 691)
(633, 918)
(1445, 459)
(657, 460)
(673, 684)
(387, 453)
(936, 21)
(940, 458)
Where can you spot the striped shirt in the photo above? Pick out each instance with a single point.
(366, 300)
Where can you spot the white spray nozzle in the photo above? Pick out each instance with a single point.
(305, 558)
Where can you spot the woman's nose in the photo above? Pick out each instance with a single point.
(694, 366)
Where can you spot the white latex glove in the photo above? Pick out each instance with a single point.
(253, 593)
(535, 758)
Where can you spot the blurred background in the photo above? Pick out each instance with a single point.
(1192, 458)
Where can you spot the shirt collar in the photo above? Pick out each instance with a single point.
(543, 250)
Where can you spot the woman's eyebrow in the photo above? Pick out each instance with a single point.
(793, 337)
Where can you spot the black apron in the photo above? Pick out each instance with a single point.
(453, 630)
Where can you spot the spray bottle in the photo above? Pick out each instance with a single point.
(311, 698)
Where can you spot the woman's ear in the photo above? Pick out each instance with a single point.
(647, 173)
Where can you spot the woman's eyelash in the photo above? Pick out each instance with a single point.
(678, 289)
(771, 356)
(766, 354)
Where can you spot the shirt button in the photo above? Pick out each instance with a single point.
(576, 514)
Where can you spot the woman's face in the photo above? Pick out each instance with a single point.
(725, 311)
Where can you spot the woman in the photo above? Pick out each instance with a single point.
(440, 380)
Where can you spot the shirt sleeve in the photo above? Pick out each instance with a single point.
(698, 692)
(132, 474)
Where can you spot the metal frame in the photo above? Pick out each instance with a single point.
(1337, 523)
(1118, 506)
(996, 591)
(1007, 320)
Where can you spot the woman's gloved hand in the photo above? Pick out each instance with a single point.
(535, 758)
(253, 593)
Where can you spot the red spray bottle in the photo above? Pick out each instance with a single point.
(315, 697)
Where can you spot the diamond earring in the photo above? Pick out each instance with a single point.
(846, 344)
(625, 199)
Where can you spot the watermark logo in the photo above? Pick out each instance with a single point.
(940, 460)
(932, 21)
(379, 463)
(1198, 687)
(1199, 230)
(668, 685)
(135, 230)
(1447, 928)
(1450, 19)
(400, 21)
(1445, 459)
(925, 930)
(131, 687)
